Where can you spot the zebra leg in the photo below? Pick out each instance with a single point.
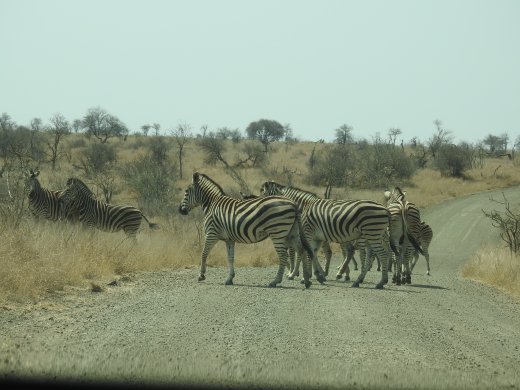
(318, 271)
(366, 253)
(281, 250)
(231, 261)
(209, 242)
(295, 271)
(414, 261)
(427, 257)
(348, 255)
(407, 273)
(328, 255)
(291, 263)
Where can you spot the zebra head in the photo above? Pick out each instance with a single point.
(32, 185)
(189, 201)
(70, 199)
(271, 188)
(394, 196)
(202, 191)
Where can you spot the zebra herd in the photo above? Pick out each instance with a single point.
(298, 222)
(78, 204)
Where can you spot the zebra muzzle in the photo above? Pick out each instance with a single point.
(183, 210)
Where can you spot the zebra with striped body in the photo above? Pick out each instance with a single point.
(341, 221)
(43, 203)
(95, 213)
(424, 239)
(404, 232)
(294, 265)
(245, 221)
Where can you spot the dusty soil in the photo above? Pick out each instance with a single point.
(165, 328)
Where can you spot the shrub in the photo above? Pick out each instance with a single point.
(452, 160)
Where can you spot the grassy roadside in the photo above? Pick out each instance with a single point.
(43, 257)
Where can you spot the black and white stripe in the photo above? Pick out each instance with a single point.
(404, 232)
(424, 239)
(100, 215)
(341, 221)
(246, 221)
(43, 203)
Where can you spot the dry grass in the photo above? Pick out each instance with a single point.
(495, 266)
(36, 258)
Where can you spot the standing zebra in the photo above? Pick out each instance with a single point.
(44, 202)
(97, 214)
(404, 232)
(294, 266)
(424, 239)
(245, 221)
(341, 221)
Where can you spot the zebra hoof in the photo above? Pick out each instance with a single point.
(229, 282)
(201, 278)
(355, 284)
(272, 284)
(379, 268)
(347, 278)
(290, 277)
(379, 286)
(308, 284)
(320, 278)
(338, 277)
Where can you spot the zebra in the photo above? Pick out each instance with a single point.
(404, 232)
(43, 203)
(95, 213)
(294, 266)
(341, 221)
(245, 221)
(424, 239)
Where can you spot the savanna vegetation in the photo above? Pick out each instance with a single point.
(151, 168)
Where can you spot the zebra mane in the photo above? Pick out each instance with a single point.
(299, 189)
(74, 181)
(207, 182)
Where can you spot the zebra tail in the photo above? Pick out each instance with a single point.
(153, 226)
(415, 243)
(394, 248)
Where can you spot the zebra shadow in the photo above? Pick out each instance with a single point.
(429, 286)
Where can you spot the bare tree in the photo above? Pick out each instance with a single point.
(59, 128)
(181, 134)
(440, 138)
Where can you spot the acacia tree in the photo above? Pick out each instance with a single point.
(266, 131)
(102, 125)
(393, 133)
(145, 129)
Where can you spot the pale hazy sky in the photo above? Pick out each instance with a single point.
(315, 65)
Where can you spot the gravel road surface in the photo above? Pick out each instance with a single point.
(165, 328)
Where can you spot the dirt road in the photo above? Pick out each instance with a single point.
(165, 328)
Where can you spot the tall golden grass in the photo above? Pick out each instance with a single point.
(41, 257)
(495, 266)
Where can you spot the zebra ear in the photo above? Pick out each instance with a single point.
(36, 173)
(387, 194)
(196, 177)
